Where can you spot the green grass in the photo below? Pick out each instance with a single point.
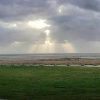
(49, 83)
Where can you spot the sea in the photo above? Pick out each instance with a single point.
(48, 56)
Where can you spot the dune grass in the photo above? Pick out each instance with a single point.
(49, 83)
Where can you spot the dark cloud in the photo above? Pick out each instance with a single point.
(76, 27)
(19, 9)
(78, 22)
(85, 4)
(88, 4)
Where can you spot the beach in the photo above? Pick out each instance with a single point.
(67, 61)
(51, 59)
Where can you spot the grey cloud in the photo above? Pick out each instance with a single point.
(85, 4)
(87, 46)
(76, 27)
(19, 9)
(88, 4)
(8, 36)
(80, 27)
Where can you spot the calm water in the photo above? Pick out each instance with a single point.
(48, 56)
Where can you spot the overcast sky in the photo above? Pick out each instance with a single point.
(49, 26)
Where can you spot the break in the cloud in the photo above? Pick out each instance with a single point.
(49, 26)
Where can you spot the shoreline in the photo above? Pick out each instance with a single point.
(62, 61)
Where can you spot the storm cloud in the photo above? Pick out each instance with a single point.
(55, 25)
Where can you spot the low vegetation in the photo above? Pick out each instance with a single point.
(49, 83)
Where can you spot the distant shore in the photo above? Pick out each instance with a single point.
(64, 61)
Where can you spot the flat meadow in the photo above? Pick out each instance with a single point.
(49, 83)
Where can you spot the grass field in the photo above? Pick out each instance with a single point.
(49, 83)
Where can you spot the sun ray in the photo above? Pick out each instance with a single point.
(38, 24)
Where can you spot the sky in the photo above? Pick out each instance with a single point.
(49, 26)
